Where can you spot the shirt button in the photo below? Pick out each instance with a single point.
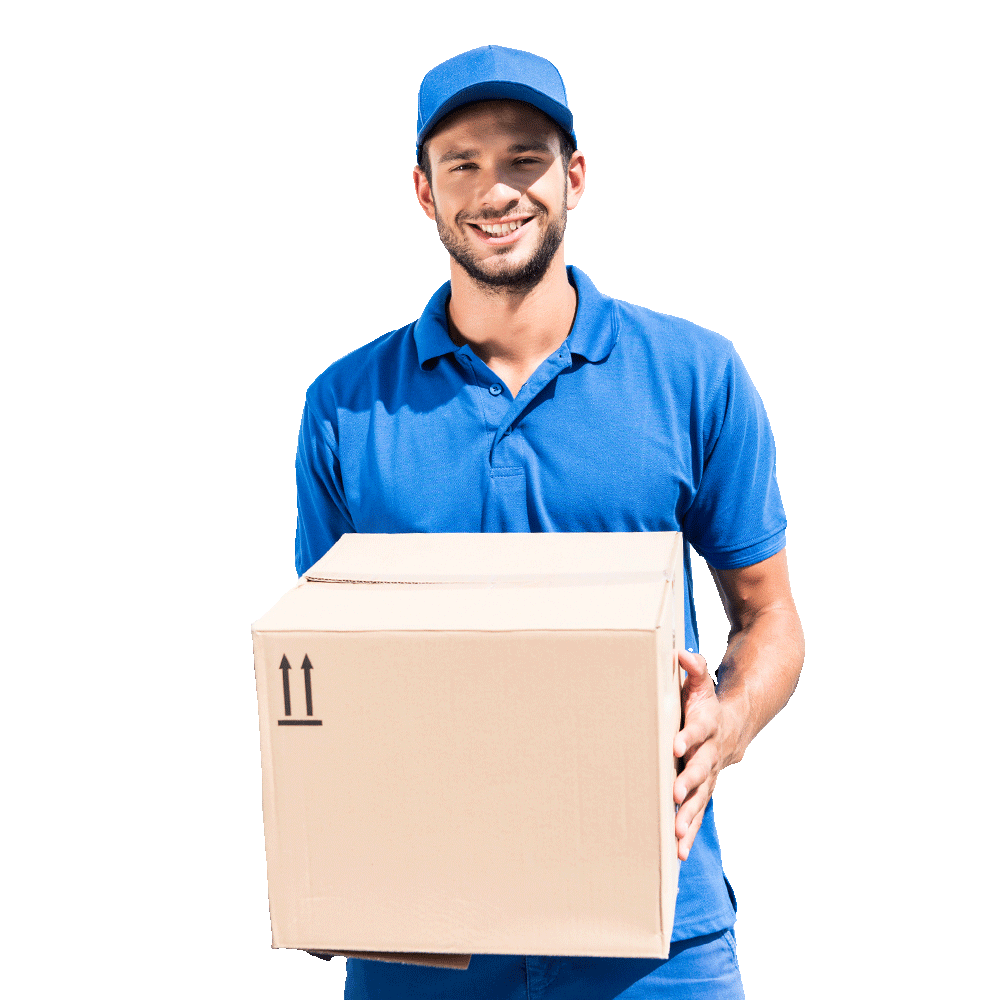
(496, 389)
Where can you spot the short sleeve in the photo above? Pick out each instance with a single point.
(736, 518)
(322, 510)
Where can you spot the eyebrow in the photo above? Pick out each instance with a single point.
(471, 154)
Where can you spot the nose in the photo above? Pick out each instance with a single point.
(501, 195)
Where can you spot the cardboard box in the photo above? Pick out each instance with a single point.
(467, 746)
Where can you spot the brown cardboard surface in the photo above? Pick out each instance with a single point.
(486, 766)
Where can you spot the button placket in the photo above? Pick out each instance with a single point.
(547, 371)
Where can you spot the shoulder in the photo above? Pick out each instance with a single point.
(673, 333)
(359, 373)
(690, 357)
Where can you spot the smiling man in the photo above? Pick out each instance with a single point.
(500, 247)
(502, 180)
(523, 399)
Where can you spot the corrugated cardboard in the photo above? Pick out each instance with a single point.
(467, 746)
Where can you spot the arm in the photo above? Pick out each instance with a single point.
(323, 515)
(756, 678)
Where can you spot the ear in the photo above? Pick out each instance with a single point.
(576, 178)
(424, 195)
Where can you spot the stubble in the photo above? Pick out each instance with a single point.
(515, 279)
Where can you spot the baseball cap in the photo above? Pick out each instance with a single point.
(491, 73)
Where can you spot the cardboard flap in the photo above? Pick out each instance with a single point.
(453, 607)
(440, 961)
(543, 558)
(483, 582)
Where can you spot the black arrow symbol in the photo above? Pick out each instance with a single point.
(306, 667)
(284, 668)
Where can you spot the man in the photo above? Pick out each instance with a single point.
(524, 400)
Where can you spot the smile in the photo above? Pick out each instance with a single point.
(494, 232)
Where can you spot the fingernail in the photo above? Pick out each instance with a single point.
(681, 749)
(682, 791)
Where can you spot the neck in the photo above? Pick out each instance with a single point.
(512, 332)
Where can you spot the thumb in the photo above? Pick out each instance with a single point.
(696, 665)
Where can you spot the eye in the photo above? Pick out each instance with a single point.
(521, 161)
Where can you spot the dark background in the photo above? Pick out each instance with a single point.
(709, 201)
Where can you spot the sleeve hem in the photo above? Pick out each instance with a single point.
(746, 555)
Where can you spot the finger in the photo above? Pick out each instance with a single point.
(700, 723)
(685, 843)
(690, 812)
(686, 839)
(693, 787)
(698, 688)
(694, 663)
(689, 816)
(694, 775)
(699, 727)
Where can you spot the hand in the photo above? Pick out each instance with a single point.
(699, 745)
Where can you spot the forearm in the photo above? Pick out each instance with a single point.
(757, 676)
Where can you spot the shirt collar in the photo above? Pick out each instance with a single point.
(593, 335)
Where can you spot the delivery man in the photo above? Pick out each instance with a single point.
(523, 399)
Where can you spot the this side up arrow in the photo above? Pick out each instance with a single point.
(284, 668)
(306, 668)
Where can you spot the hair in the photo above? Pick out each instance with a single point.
(566, 146)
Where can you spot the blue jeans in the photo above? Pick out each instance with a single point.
(703, 967)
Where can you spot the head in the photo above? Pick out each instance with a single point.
(498, 179)
(498, 167)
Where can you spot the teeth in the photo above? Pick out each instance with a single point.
(503, 229)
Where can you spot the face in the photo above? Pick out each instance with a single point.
(500, 192)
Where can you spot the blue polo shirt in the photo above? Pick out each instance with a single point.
(637, 422)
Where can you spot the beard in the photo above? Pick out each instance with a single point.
(514, 277)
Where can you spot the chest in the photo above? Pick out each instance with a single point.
(573, 455)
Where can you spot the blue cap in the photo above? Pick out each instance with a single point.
(492, 73)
